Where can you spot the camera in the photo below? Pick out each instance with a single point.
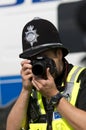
(40, 64)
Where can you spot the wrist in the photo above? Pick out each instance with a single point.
(56, 99)
(26, 91)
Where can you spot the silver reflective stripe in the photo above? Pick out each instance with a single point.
(68, 90)
(74, 74)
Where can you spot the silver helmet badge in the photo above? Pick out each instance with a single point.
(31, 35)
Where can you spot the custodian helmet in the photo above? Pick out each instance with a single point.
(38, 36)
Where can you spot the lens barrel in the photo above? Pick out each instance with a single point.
(40, 64)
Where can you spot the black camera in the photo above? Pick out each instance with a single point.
(40, 64)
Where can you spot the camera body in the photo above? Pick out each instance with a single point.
(40, 64)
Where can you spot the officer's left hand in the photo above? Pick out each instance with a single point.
(46, 87)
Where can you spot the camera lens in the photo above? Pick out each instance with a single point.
(40, 64)
(38, 69)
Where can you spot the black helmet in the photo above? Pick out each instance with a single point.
(38, 36)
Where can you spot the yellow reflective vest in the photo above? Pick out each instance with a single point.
(70, 93)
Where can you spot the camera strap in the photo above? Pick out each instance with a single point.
(49, 113)
(34, 109)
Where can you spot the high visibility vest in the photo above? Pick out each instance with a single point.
(70, 93)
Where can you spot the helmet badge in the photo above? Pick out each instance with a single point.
(31, 35)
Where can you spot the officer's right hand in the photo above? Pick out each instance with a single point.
(26, 73)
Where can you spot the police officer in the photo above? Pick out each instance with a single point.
(54, 98)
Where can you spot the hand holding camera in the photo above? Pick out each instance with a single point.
(44, 70)
(26, 73)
